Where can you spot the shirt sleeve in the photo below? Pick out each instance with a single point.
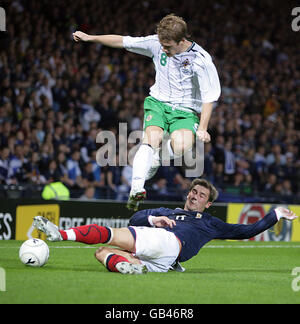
(144, 217)
(141, 45)
(208, 79)
(241, 231)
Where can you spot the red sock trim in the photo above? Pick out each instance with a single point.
(112, 260)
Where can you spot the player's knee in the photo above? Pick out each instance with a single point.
(180, 147)
(153, 136)
(182, 142)
(101, 253)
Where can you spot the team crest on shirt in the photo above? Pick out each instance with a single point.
(149, 117)
(186, 67)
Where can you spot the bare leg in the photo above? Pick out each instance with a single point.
(117, 259)
(182, 141)
(102, 253)
(122, 238)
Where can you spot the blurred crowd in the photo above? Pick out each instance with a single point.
(57, 95)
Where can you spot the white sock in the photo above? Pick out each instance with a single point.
(71, 235)
(141, 165)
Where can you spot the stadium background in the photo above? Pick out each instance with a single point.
(51, 87)
(57, 95)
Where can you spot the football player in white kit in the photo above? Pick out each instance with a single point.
(180, 101)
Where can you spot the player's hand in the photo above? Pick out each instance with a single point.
(285, 213)
(163, 221)
(80, 36)
(203, 136)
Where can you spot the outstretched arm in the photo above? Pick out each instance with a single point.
(115, 41)
(241, 231)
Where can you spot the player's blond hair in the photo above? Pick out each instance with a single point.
(172, 27)
(213, 192)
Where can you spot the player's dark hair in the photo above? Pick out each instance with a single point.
(172, 27)
(213, 192)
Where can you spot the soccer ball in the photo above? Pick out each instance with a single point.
(34, 253)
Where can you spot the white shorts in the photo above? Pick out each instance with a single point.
(156, 248)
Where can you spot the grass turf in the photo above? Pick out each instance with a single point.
(223, 272)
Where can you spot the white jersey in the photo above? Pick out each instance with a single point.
(187, 79)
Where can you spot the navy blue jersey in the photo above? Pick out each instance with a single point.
(194, 229)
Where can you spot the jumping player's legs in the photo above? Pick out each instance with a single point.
(183, 127)
(144, 156)
(154, 124)
(182, 141)
(159, 118)
(180, 122)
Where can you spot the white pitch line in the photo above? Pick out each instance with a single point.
(252, 246)
(205, 247)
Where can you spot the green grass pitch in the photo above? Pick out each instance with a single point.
(223, 272)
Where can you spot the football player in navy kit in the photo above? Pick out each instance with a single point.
(156, 240)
